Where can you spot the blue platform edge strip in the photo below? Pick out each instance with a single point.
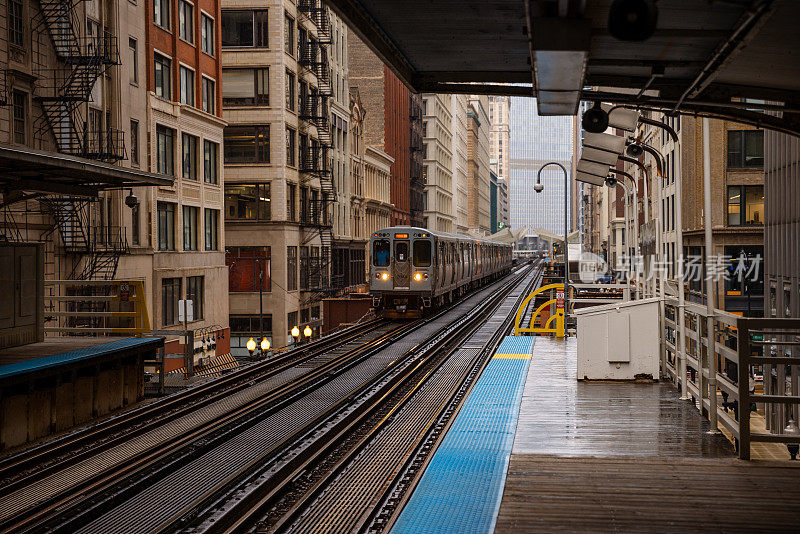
(96, 351)
(462, 487)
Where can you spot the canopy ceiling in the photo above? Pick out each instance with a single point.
(704, 57)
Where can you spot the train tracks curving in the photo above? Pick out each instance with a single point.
(269, 450)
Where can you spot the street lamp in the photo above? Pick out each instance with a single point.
(539, 187)
(251, 346)
(792, 430)
(264, 346)
(295, 334)
(307, 332)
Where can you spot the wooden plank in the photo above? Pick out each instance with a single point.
(547, 493)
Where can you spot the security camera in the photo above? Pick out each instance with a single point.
(611, 181)
(131, 201)
(632, 20)
(595, 119)
(634, 151)
(538, 188)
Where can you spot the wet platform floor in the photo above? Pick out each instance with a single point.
(622, 457)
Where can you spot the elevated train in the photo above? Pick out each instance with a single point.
(414, 270)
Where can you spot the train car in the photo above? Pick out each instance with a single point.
(414, 270)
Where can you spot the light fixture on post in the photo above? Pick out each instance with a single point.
(264, 346)
(131, 201)
(295, 334)
(307, 332)
(559, 50)
(634, 150)
(251, 346)
(792, 430)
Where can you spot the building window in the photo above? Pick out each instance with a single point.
(289, 90)
(210, 162)
(19, 103)
(246, 202)
(246, 144)
(304, 261)
(208, 95)
(206, 34)
(243, 327)
(745, 205)
(135, 225)
(745, 148)
(290, 147)
(245, 28)
(162, 76)
(187, 86)
(135, 142)
(211, 229)
(291, 201)
(132, 46)
(170, 295)
(245, 87)
(16, 32)
(195, 288)
(190, 221)
(288, 34)
(166, 226)
(248, 269)
(186, 21)
(161, 13)
(165, 150)
(189, 159)
(291, 268)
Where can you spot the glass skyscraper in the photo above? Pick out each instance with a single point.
(535, 141)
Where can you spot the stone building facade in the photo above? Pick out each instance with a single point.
(478, 189)
(437, 153)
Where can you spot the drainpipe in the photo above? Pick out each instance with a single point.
(710, 286)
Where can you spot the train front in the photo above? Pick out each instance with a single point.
(401, 271)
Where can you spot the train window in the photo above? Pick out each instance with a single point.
(401, 251)
(422, 253)
(380, 252)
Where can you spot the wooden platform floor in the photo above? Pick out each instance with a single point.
(622, 457)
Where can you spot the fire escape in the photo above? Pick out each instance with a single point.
(415, 165)
(63, 93)
(314, 160)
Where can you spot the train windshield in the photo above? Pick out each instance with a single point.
(422, 253)
(380, 252)
(401, 251)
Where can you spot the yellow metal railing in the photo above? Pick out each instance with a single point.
(99, 307)
(558, 318)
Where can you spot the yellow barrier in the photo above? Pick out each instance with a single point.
(546, 329)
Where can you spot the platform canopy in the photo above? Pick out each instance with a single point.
(729, 59)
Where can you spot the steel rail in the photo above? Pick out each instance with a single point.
(38, 459)
(132, 466)
(438, 354)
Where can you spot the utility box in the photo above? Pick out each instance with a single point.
(619, 341)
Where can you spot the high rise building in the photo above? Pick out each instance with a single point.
(437, 122)
(535, 141)
(458, 113)
(280, 143)
(478, 171)
(394, 126)
(500, 135)
(134, 86)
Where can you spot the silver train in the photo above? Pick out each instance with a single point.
(413, 270)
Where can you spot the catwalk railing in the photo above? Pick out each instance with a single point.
(724, 371)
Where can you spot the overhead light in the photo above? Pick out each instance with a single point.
(632, 20)
(560, 48)
(595, 119)
(599, 156)
(604, 141)
(589, 178)
(589, 167)
(622, 118)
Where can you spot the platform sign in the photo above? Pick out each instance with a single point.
(124, 292)
(560, 299)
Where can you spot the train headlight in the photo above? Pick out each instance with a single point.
(418, 277)
(384, 276)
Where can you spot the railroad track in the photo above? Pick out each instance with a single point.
(261, 438)
(89, 461)
(274, 499)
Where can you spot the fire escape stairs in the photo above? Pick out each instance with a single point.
(62, 90)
